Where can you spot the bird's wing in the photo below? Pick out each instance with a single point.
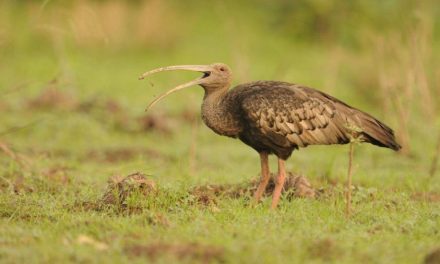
(291, 115)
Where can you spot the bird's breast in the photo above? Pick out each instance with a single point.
(222, 120)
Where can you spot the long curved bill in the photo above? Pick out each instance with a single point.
(199, 68)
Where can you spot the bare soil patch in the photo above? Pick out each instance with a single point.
(325, 249)
(52, 98)
(431, 197)
(181, 251)
(121, 154)
(157, 122)
(105, 110)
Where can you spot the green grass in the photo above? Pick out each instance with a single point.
(67, 153)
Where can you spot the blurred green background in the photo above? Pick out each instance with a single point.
(72, 115)
(381, 56)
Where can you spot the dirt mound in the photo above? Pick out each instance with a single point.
(325, 249)
(120, 188)
(183, 251)
(296, 186)
(51, 97)
(157, 122)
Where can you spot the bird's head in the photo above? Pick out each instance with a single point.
(216, 76)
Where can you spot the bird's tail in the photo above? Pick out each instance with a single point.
(377, 133)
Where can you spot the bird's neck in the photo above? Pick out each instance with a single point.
(219, 114)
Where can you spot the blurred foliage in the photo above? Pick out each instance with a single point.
(376, 53)
(346, 21)
(159, 23)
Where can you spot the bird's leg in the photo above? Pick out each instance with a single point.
(279, 183)
(265, 176)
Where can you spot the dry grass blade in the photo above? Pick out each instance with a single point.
(7, 151)
(20, 159)
(434, 163)
(87, 240)
(349, 176)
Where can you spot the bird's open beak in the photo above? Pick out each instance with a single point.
(200, 68)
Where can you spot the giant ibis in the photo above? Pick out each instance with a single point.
(275, 117)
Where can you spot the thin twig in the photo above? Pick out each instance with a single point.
(435, 159)
(348, 194)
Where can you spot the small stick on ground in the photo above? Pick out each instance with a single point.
(349, 174)
(435, 159)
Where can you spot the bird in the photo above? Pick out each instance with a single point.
(276, 117)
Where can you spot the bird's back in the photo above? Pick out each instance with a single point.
(278, 117)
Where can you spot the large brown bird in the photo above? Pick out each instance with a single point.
(278, 117)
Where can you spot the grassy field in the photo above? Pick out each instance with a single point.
(72, 127)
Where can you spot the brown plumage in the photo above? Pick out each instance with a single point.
(278, 117)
